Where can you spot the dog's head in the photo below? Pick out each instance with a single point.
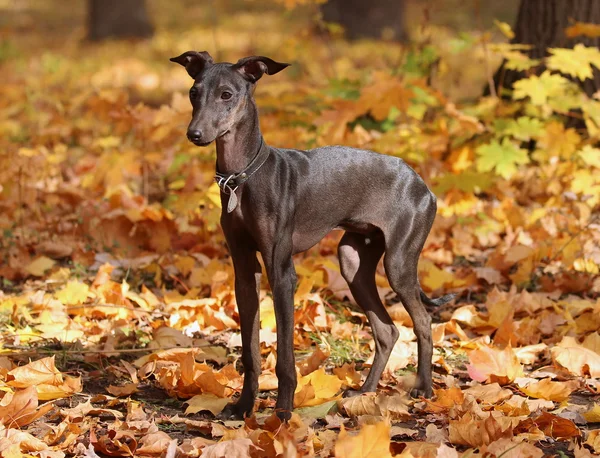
(221, 91)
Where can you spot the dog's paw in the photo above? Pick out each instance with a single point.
(235, 412)
(284, 415)
(418, 392)
(352, 393)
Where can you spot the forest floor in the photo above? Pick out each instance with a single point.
(118, 322)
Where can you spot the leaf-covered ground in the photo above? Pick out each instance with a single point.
(119, 327)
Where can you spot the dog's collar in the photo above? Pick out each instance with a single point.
(230, 182)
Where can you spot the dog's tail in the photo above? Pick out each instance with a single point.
(436, 302)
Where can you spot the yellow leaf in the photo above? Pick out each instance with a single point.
(540, 88)
(69, 387)
(590, 155)
(505, 29)
(39, 266)
(557, 142)
(75, 292)
(372, 441)
(206, 401)
(321, 387)
(593, 415)
(575, 62)
(267, 314)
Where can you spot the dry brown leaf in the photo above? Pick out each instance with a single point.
(21, 408)
(556, 427)
(313, 362)
(512, 448)
(474, 432)
(489, 394)
(207, 401)
(125, 390)
(154, 444)
(237, 447)
(114, 443)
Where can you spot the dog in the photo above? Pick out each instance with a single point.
(284, 201)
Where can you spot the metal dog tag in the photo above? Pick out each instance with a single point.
(233, 201)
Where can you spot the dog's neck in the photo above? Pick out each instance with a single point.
(237, 148)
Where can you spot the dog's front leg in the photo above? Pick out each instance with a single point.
(282, 278)
(247, 290)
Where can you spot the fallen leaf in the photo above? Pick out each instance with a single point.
(21, 408)
(207, 401)
(547, 389)
(371, 441)
(489, 364)
(39, 266)
(125, 390)
(575, 358)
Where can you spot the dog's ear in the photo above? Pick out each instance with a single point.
(194, 62)
(252, 68)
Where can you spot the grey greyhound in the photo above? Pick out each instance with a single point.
(280, 202)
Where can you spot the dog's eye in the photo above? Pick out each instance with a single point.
(193, 92)
(226, 95)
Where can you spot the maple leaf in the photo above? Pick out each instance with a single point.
(21, 408)
(547, 389)
(524, 128)
(540, 88)
(489, 364)
(316, 388)
(575, 358)
(557, 141)
(371, 441)
(583, 28)
(503, 157)
(505, 29)
(207, 401)
(475, 432)
(39, 266)
(590, 156)
(574, 62)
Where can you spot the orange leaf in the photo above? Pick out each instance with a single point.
(474, 432)
(488, 364)
(42, 371)
(21, 408)
(575, 358)
(547, 389)
(557, 427)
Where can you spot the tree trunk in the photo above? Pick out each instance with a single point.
(367, 18)
(542, 23)
(118, 19)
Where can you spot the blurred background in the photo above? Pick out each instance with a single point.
(95, 163)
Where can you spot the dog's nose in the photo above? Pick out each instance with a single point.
(194, 136)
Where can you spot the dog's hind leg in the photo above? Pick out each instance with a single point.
(359, 255)
(404, 242)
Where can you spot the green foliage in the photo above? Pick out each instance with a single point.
(503, 157)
